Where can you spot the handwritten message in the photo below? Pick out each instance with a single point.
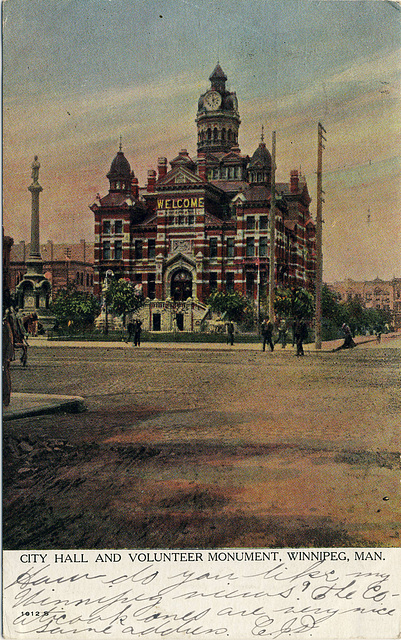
(202, 594)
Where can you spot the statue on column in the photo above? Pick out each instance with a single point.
(35, 170)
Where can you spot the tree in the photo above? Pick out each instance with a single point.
(77, 307)
(236, 306)
(294, 303)
(123, 298)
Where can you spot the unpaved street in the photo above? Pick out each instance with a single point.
(207, 448)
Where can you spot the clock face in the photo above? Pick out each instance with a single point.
(212, 100)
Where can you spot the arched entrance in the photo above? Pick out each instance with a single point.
(181, 285)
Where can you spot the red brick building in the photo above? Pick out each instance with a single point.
(63, 264)
(203, 223)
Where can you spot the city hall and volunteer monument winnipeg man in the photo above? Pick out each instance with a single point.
(203, 224)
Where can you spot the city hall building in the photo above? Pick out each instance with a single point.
(202, 224)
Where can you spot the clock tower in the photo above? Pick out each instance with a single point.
(217, 118)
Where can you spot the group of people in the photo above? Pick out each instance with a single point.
(14, 336)
(134, 328)
(299, 334)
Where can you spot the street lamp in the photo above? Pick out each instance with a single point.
(108, 276)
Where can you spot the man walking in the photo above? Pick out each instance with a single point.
(267, 332)
(300, 333)
(230, 333)
(137, 333)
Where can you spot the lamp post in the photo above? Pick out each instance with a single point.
(108, 276)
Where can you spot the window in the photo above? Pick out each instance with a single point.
(263, 247)
(77, 277)
(82, 278)
(138, 278)
(213, 247)
(250, 222)
(106, 250)
(263, 224)
(118, 250)
(250, 247)
(230, 247)
(151, 286)
(87, 279)
(212, 281)
(106, 227)
(118, 227)
(151, 249)
(138, 249)
(229, 282)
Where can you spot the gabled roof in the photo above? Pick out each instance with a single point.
(179, 175)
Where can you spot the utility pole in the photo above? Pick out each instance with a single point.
(319, 254)
(272, 248)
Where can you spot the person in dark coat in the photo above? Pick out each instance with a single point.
(137, 334)
(267, 333)
(230, 333)
(348, 340)
(300, 333)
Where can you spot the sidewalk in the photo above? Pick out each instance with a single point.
(23, 405)
(212, 346)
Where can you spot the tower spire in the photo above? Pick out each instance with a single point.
(121, 143)
(262, 137)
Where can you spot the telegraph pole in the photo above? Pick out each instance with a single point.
(272, 251)
(319, 254)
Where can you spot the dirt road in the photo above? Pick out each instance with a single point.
(225, 448)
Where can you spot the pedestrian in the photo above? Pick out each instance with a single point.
(267, 332)
(230, 333)
(130, 330)
(348, 340)
(300, 333)
(137, 332)
(7, 355)
(282, 333)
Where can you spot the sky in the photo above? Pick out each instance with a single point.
(78, 74)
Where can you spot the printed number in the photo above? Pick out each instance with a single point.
(35, 613)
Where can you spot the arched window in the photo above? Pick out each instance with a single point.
(215, 135)
(223, 135)
(209, 134)
(229, 135)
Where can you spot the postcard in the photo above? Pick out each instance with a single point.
(201, 319)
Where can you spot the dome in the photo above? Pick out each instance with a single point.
(261, 158)
(120, 168)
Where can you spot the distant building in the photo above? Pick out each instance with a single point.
(63, 264)
(373, 294)
(203, 224)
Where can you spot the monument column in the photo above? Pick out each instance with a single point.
(34, 262)
(34, 290)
